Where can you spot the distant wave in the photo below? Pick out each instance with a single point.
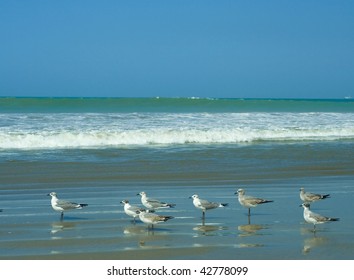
(176, 105)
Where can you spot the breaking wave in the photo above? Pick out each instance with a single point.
(51, 131)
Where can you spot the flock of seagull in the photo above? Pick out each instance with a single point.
(148, 216)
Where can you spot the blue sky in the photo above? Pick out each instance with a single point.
(232, 49)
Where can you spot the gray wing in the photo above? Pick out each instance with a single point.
(313, 196)
(155, 202)
(207, 204)
(253, 200)
(152, 217)
(66, 205)
(157, 218)
(319, 218)
(134, 208)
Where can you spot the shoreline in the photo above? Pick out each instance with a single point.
(104, 231)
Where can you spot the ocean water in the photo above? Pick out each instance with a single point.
(103, 150)
(99, 123)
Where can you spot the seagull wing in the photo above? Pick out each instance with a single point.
(66, 205)
(133, 208)
(313, 196)
(207, 204)
(317, 217)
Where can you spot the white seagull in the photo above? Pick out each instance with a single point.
(308, 197)
(206, 205)
(130, 210)
(152, 204)
(249, 201)
(63, 205)
(314, 218)
(150, 218)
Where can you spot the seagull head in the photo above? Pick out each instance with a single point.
(305, 205)
(240, 191)
(140, 211)
(52, 194)
(142, 194)
(124, 201)
(194, 196)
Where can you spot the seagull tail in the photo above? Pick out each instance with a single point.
(325, 196)
(171, 205)
(223, 204)
(333, 219)
(166, 218)
(83, 204)
(266, 201)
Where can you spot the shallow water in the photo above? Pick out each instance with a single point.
(30, 229)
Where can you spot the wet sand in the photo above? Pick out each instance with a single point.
(30, 229)
(103, 231)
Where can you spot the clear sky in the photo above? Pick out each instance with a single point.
(180, 48)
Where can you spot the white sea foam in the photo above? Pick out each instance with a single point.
(42, 131)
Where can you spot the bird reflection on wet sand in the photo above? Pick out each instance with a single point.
(209, 229)
(249, 229)
(312, 242)
(134, 230)
(60, 226)
(142, 230)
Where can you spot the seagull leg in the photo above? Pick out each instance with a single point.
(249, 212)
(203, 218)
(62, 216)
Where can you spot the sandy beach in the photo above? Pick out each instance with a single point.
(30, 229)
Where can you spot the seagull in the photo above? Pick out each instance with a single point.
(130, 210)
(314, 218)
(205, 205)
(62, 205)
(311, 197)
(150, 218)
(152, 203)
(249, 201)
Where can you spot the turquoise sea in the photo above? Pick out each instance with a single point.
(103, 150)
